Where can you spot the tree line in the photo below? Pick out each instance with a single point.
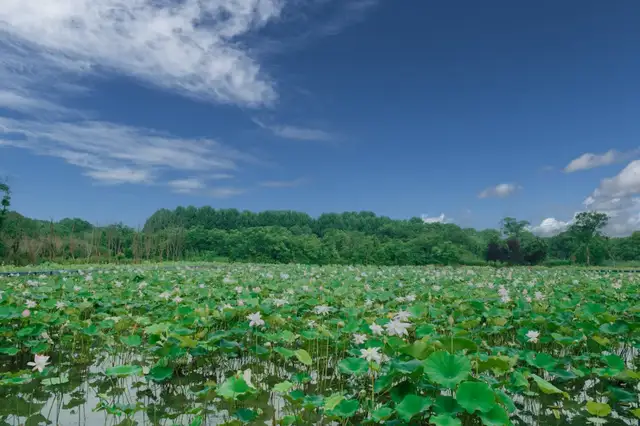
(190, 233)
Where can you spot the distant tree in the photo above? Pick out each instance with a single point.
(586, 228)
(512, 228)
(5, 202)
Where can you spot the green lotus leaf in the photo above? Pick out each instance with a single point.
(599, 409)
(475, 396)
(411, 406)
(446, 369)
(354, 366)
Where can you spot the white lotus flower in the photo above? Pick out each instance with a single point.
(376, 329)
(165, 295)
(371, 355)
(31, 304)
(177, 299)
(39, 362)
(402, 316)
(359, 339)
(538, 295)
(60, 305)
(532, 336)
(322, 309)
(397, 328)
(255, 320)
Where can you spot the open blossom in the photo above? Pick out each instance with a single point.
(177, 299)
(118, 284)
(322, 309)
(402, 316)
(280, 302)
(532, 336)
(505, 298)
(617, 285)
(368, 303)
(31, 304)
(359, 339)
(397, 328)
(60, 304)
(240, 302)
(165, 295)
(239, 289)
(39, 362)
(538, 295)
(376, 329)
(371, 355)
(311, 323)
(436, 288)
(26, 313)
(255, 320)
(411, 298)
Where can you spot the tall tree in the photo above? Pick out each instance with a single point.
(5, 203)
(512, 228)
(586, 228)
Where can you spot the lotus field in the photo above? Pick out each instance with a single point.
(302, 345)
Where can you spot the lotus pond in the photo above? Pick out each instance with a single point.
(285, 345)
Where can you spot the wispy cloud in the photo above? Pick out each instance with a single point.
(188, 46)
(590, 160)
(282, 183)
(297, 132)
(186, 186)
(502, 190)
(225, 192)
(105, 150)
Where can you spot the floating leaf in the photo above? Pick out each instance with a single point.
(124, 370)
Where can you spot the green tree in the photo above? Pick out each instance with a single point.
(586, 229)
(512, 228)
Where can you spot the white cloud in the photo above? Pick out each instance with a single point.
(499, 191)
(296, 132)
(550, 227)
(120, 175)
(188, 46)
(225, 192)
(282, 183)
(590, 160)
(619, 197)
(185, 186)
(105, 150)
(221, 176)
(436, 219)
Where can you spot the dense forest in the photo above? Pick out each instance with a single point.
(190, 233)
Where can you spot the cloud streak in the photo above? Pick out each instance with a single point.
(188, 46)
(110, 152)
(502, 190)
(590, 160)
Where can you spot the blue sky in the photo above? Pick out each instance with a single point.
(461, 111)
